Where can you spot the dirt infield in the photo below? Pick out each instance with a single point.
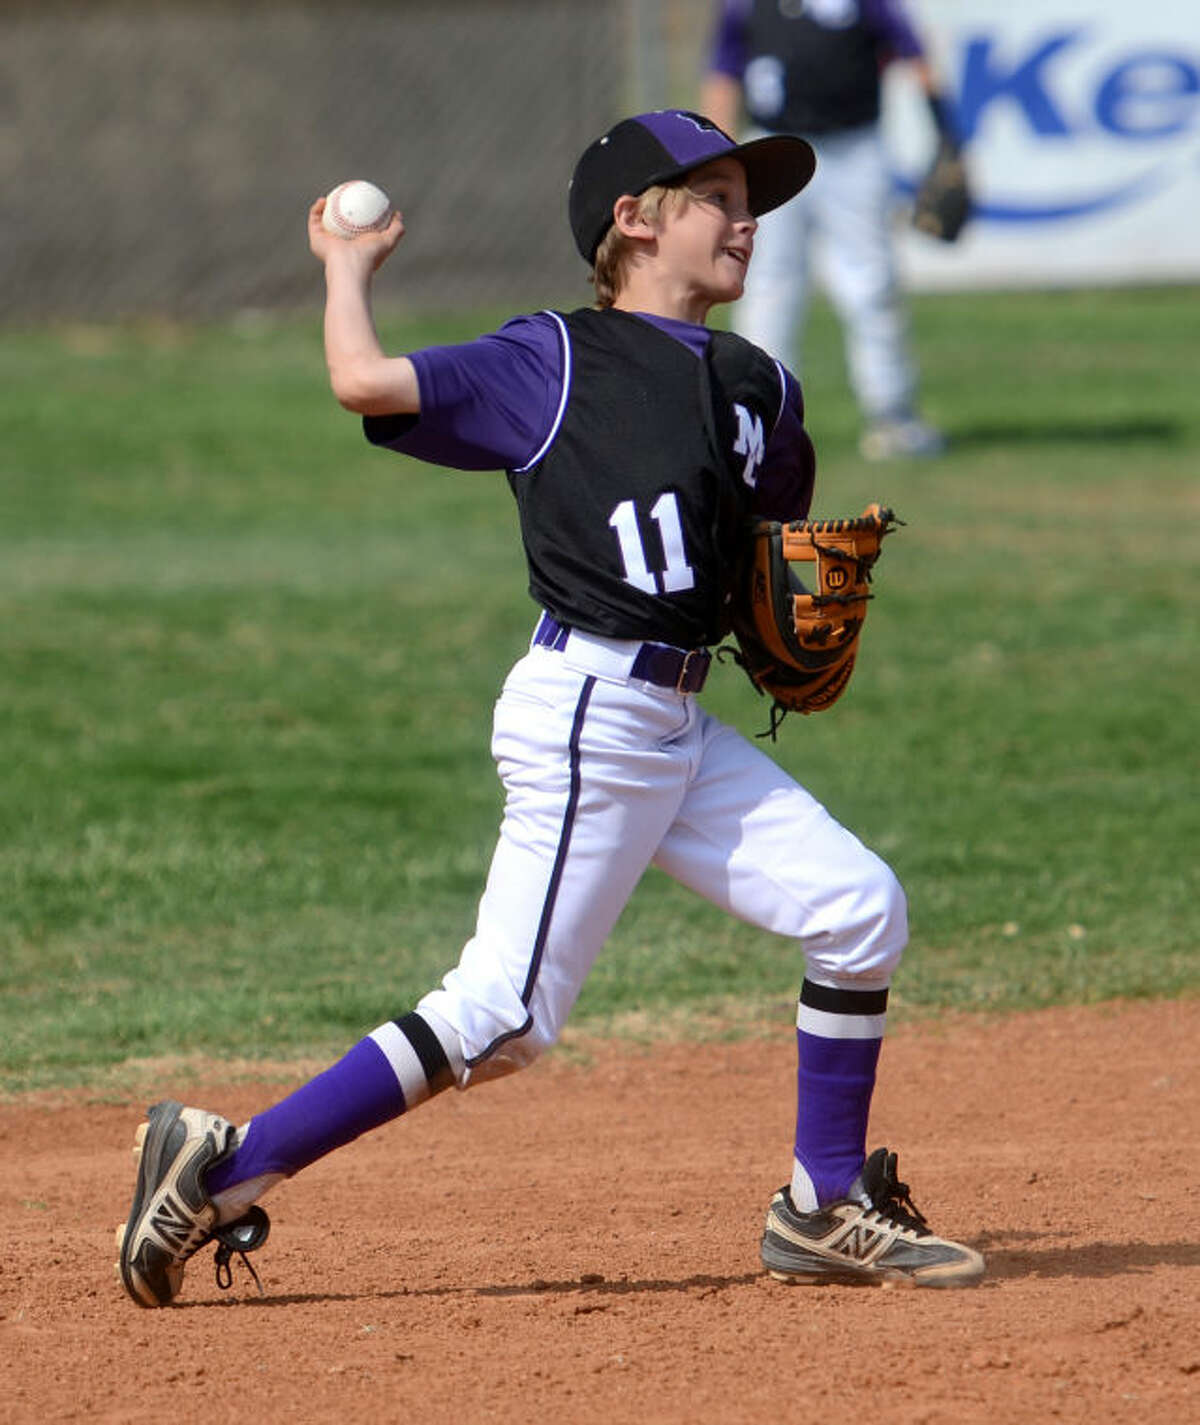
(579, 1244)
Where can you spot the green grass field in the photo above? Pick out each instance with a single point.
(247, 666)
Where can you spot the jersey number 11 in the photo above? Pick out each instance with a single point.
(678, 574)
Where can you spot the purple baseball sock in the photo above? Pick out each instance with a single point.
(839, 1035)
(399, 1065)
(836, 1079)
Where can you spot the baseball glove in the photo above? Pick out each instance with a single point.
(798, 647)
(943, 202)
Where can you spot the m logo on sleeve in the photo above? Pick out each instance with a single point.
(750, 442)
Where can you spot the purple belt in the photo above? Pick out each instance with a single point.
(685, 670)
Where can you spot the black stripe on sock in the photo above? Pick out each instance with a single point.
(833, 1001)
(428, 1048)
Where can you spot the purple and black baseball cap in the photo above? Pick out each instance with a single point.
(662, 147)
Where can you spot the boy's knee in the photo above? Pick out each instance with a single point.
(494, 1039)
(883, 926)
(892, 934)
(866, 946)
(506, 1058)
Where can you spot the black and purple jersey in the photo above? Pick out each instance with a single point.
(635, 446)
(493, 403)
(811, 68)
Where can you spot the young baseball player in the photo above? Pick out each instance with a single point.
(636, 443)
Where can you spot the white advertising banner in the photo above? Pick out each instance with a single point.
(1082, 128)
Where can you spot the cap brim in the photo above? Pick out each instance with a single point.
(777, 168)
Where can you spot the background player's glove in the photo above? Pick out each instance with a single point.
(798, 647)
(943, 201)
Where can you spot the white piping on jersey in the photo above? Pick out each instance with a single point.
(562, 400)
(782, 391)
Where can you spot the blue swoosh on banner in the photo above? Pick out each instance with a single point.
(1017, 212)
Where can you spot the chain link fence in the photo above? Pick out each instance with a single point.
(159, 156)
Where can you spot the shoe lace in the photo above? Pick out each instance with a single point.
(245, 1234)
(891, 1198)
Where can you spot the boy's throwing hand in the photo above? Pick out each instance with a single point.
(373, 248)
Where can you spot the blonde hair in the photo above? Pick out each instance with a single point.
(611, 264)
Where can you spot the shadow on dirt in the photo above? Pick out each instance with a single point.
(1012, 1256)
(1016, 1255)
(587, 1285)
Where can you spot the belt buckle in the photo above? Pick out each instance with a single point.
(685, 669)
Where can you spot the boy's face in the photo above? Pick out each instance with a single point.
(709, 238)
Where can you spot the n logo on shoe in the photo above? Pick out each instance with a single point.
(172, 1223)
(856, 1244)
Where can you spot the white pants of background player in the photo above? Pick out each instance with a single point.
(605, 775)
(839, 228)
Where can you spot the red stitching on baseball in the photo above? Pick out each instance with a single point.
(340, 217)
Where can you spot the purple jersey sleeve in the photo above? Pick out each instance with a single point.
(485, 404)
(897, 37)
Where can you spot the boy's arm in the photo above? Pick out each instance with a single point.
(363, 377)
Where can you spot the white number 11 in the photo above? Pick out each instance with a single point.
(678, 574)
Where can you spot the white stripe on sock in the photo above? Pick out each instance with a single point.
(824, 1025)
(449, 1040)
(401, 1055)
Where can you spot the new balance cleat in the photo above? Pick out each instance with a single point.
(172, 1215)
(876, 1238)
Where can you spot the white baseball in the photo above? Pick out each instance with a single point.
(356, 207)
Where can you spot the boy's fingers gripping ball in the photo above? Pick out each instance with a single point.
(356, 207)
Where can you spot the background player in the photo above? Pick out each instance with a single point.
(814, 68)
(626, 431)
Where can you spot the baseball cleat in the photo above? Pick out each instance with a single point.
(878, 1238)
(172, 1215)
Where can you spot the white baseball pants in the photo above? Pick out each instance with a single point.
(605, 775)
(840, 225)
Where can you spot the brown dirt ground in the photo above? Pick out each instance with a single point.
(579, 1243)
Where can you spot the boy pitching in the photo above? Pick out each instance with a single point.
(637, 443)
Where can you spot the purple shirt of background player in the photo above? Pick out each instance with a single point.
(897, 38)
(492, 404)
